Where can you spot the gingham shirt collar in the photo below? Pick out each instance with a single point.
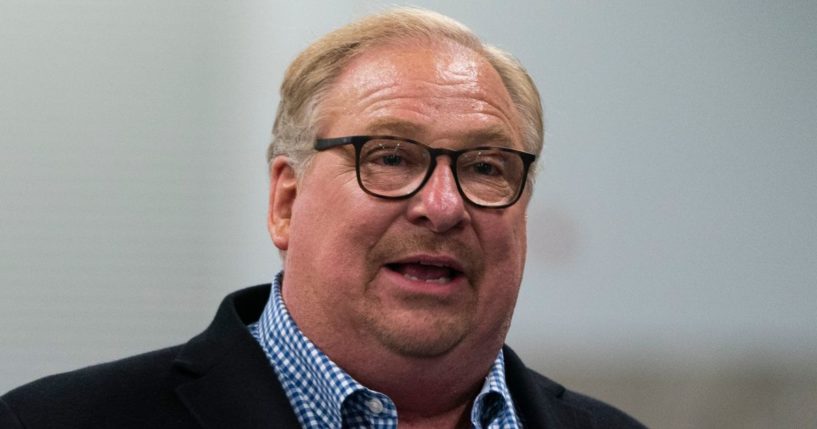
(325, 396)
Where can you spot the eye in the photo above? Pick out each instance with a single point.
(483, 163)
(486, 169)
(392, 155)
(391, 159)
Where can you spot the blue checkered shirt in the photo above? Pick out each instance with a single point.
(325, 396)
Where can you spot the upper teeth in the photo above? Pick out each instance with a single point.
(433, 264)
(439, 280)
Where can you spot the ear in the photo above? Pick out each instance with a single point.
(282, 193)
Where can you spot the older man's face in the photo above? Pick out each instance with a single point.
(421, 276)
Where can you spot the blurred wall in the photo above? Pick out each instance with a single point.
(673, 234)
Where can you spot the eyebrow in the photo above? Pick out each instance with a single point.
(393, 126)
(493, 134)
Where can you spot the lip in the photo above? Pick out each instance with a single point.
(434, 260)
(409, 286)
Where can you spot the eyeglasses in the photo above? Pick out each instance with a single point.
(394, 168)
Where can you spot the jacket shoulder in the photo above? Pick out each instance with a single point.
(577, 407)
(101, 395)
(219, 376)
(543, 403)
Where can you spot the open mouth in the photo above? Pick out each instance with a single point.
(426, 271)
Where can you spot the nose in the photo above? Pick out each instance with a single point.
(439, 205)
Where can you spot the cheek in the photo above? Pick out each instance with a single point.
(334, 231)
(504, 238)
(521, 234)
(505, 264)
(317, 229)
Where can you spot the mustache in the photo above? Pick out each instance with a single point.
(391, 248)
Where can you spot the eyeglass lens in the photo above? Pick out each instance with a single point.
(394, 168)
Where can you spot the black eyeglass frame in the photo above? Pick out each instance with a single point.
(359, 141)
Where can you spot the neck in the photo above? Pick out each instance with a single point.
(428, 392)
(424, 395)
(458, 418)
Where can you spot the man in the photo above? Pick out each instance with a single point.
(400, 176)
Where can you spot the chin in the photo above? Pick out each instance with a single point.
(421, 335)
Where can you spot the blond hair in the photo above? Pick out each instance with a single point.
(309, 77)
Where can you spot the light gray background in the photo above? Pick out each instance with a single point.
(673, 236)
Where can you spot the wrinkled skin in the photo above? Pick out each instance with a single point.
(390, 289)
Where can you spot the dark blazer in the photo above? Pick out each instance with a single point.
(222, 379)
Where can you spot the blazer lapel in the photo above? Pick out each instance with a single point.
(227, 397)
(538, 401)
(229, 381)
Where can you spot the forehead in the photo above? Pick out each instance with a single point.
(419, 86)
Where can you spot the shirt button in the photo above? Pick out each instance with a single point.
(375, 406)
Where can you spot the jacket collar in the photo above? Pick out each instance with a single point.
(229, 380)
(539, 400)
